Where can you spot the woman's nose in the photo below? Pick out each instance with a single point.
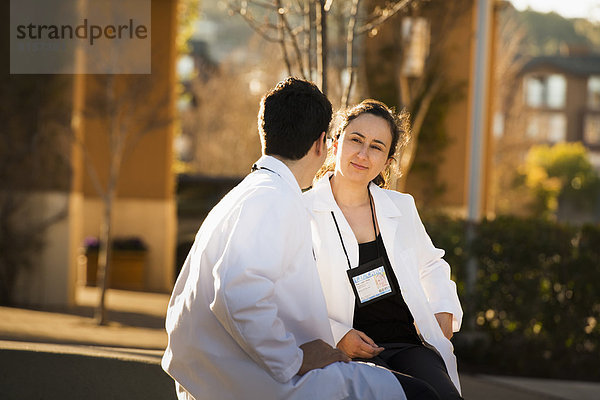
(363, 152)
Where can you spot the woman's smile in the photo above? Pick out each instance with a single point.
(358, 166)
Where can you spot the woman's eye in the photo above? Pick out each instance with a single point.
(356, 140)
(377, 148)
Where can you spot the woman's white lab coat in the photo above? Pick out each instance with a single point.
(423, 276)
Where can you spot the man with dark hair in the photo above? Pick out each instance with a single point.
(247, 318)
(292, 116)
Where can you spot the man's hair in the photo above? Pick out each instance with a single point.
(292, 116)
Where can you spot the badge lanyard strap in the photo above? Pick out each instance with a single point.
(256, 168)
(340, 234)
(341, 241)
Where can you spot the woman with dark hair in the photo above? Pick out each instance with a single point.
(389, 295)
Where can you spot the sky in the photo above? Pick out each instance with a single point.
(567, 8)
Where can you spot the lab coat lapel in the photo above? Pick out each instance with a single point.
(324, 202)
(390, 219)
(388, 216)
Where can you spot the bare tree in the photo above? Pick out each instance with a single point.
(127, 107)
(300, 29)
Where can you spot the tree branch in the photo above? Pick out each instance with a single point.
(408, 155)
(385, 14)
(281, 32)
(295, 46)
(255, 26)
(263, 4)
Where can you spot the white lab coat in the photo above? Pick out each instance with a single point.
(423, 276)
(248, 295)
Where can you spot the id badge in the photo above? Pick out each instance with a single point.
(370, 282)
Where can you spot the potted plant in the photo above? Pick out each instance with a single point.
(128, 261)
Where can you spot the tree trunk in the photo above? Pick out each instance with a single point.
(309, 25)
(117, 147)
(321, 22)
(350, 53)
(104, 257)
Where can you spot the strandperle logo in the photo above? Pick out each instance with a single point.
(80, 36)
(84, 31)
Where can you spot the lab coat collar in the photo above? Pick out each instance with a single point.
(273, 164)
(323, 199)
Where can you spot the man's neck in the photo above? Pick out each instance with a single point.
(300, 169)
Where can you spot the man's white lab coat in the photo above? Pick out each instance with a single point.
(249, 295)
(423, 276)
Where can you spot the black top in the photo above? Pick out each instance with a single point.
(388, 320)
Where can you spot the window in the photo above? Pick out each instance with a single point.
(545, 91)
(594, 92)
(591, 130)
(547, 126)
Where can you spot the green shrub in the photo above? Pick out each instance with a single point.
(536, 303)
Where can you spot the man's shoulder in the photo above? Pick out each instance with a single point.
(264, 191)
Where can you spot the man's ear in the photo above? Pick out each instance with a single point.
(321, 144)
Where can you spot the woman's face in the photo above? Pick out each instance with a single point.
(362, 150)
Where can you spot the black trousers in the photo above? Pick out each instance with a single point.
(420, 370)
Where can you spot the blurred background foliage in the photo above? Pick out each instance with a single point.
(548, 32)
(536, 294)
(561, 181)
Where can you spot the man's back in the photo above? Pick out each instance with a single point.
(256, 243)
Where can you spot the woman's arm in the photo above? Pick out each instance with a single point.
(434, 273)
(444, 319)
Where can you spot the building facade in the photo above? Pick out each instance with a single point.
(562, 100)
(144, 206)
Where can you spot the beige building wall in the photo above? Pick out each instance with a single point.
(51, 281)
(151, 220)
(145, 204)
(453, 170)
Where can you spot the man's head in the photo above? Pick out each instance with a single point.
(292, 116)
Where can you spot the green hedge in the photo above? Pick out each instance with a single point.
(536, 303)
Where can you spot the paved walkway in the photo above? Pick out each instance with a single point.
(135, 336)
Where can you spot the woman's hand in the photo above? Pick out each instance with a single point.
(357, 344)
(444, 319)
